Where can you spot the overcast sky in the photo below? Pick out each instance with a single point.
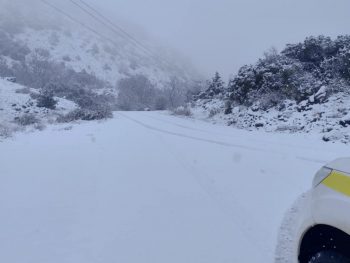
(226, 34)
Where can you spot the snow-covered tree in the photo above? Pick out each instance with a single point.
(216, 86)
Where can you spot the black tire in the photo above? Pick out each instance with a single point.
(329, 257)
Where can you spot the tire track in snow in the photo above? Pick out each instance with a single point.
(244, 219)
(177, 134)
(230, 136)
(228, 209)
(220, 143)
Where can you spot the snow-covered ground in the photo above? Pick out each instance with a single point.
(329, 120)
(82, 51)
(149, 187)
(16, 101)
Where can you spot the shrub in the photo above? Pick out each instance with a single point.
(5, 131)
(66, 58)
(161, 103)
(182, 111)
(175, 93)
(86, 115)
(54, 39)
(24, 90)
(216, 88)
(136, 93)
(214, 112)
(27, 120)
(11, 48)
(46, 100)
(5, 69)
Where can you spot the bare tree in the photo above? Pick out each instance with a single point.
(136, 93)
(175, 93)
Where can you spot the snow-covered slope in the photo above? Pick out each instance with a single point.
(147, 187)
(16, 102)
(83, 63)
(304, 88)
(80, 50)
(329, 120)
(85, 42)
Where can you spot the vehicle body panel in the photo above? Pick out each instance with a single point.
(332, 207)
(328, 204)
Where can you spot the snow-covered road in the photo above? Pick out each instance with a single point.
(148, 187)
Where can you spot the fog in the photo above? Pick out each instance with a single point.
(223, 35)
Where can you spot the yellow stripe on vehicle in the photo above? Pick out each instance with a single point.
(338, 182)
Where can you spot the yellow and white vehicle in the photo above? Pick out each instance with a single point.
(323, 230)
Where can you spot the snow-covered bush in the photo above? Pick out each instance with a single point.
(314, 50)
(182, 111)
(215, 89)
(24, 90)
(5, 70)
(304, 88)
(35, 69)
(13, 49)
(55, 80)
(27, 120)
(46, 100)
(85, 115)
(278, 77)
(297, 73)
(214, 112)
(5, 131)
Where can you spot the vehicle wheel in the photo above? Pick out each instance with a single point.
(329, 257)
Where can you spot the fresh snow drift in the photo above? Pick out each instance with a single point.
(148, 187)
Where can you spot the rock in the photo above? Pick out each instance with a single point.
(326, 138)
(10, 79)
(321, 95)
(312, 99)
(344, 123)
(328, 129)
(304, 106)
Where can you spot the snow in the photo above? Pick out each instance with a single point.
(15, 101)
(323, 120)
(322, 92)
(80, 50)
(149, 187)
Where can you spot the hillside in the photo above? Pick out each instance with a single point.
(19, 109)
(82, 51)
(303, 89)
(83, 43)
(46, 53)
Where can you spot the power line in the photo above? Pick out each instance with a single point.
(119, 30)
(78, 22)
(113, 25)
(99, 20)
(115, 28)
